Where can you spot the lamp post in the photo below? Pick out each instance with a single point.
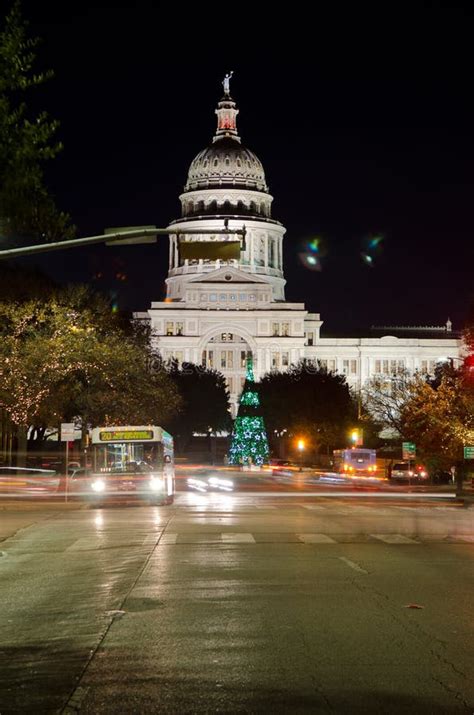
(301, 446)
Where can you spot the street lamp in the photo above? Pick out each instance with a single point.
(301, 445)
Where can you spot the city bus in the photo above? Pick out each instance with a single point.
(355, 461)
(134, 462)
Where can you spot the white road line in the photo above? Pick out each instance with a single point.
(353, 565)
(316, 539)
(168, 538)
(394, 539)
(87, 543)
(232, 538)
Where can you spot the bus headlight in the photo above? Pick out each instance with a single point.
(98, 485)
(156, 484)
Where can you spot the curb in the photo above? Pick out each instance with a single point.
(21, 505)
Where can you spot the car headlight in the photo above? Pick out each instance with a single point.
(98, 485)
(156, 484)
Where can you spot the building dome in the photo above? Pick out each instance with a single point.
(226, 163)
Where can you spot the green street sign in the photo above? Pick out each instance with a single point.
(468, 452)
(409, 450)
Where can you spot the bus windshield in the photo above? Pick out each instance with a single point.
(123, 457)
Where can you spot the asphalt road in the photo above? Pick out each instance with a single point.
(238, 604)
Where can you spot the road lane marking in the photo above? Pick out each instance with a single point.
(87, 543)
(168, 538)
(394, 539)
(353, 565)
(316, 539)
(232, 538)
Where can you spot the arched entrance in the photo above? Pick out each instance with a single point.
(227, 352)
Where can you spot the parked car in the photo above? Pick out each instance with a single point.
(408, 471)
(442, 476)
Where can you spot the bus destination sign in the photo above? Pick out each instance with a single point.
(125, 435)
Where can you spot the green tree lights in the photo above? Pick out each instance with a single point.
(249, 437)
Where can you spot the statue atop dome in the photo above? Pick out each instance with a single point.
(226, 83)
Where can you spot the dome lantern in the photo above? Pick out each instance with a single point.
(226, 162)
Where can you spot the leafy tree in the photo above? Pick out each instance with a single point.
(26, 141)
(311, 402)
(205, 402)
(61, 359)
(439, 417)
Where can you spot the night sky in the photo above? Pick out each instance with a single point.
(363, 122)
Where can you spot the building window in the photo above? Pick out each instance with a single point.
(401, 366)
(393, 367)
(179, 328)
(223, 297)
(378, 367)
(212, 297)
(203, 358)
(275, 361)
(275, 329)
(252, 297)
(227, 337)
(242, 297)
(332, 365)
(310, 338)
(242, 383)
(345, 367)
(323, 364)
(169, 328)
(285, 359)
(230, 383)
(230, 359)
(243, 358)
(285, 329)
(178, 356)
(223, 358)
(233, 297)
(353, 367)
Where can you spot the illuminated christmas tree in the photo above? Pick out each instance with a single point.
(249, 438)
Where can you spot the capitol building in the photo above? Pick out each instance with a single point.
(218, 311)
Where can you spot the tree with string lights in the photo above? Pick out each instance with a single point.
(249, 438)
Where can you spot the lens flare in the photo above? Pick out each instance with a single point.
(312, 251)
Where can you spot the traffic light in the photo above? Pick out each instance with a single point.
(357, 437)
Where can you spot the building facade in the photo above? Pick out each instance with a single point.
(217, 311)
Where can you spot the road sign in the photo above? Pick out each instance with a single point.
(67, 431)
(409, 450)
(468, 452)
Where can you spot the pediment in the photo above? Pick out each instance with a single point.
(227, 275)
